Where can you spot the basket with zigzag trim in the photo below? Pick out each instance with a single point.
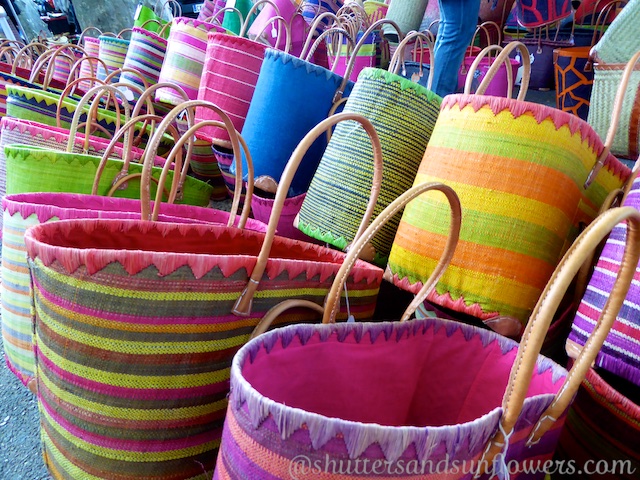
(135, 336)
(403, 114)
(520, 170)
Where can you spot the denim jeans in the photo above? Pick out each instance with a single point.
(458, 21)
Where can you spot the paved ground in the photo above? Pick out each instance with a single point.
(20, 457)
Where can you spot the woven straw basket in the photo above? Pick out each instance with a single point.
(520, 170)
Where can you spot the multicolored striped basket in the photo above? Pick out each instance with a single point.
(112, 51)
(602, 428)
(620, 353)
(149, 345)
(348, 400)
(404, 114)
(145, 55)
(22, 211)
(92, 48)
(184, 58)
(291, 97)
(516, 226)
(231, 68)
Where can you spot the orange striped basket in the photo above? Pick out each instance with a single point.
(520, 170)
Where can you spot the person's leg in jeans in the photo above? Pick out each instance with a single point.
(458, 21)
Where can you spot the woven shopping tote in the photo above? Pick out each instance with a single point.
(404, 114)
(176, 286)
(184, 58)
(74, 172)
(291, 96)
(112, 51)
(145, 55)
(348, 400)
(609, 80)
(619, 42)
(620, 352)
(22, 211)
(508, 160)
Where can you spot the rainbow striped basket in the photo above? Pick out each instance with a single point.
(620, 353)
(520, 170)
(138, 385)
(422, 399)
(145, 56)
(184, 58)
(112, 51)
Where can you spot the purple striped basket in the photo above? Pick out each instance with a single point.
(145, 55)
(184, 59)
(621, 351)
(91, 46)
(229, 78)
(112, 51)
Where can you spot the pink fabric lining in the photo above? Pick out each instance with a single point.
(424, 380)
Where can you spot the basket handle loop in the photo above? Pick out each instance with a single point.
(243, 305)
(215, 18)
(27, 53)
(542, 315)
(502, 58)
(332, 301)
(397, 60)
(61, 52)
(277, 310)
(252, 11)
(152, 148)
(342, 33)
(486, 52)
(92, 70)
(615, 118)
(372, 28)
(92, 112)
(314, 28)
(87, 30)
(287, 30)
(119, 181)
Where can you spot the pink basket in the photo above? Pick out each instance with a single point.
(92, 48)
(285, 8)
(262, 207)
(229, 79)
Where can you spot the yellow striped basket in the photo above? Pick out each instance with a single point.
(184, 58)
(519, 169)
